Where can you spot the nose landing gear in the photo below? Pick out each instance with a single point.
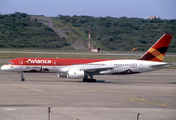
(22, 77)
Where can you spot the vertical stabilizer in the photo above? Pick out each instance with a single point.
(158, 50)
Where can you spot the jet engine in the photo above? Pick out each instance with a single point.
(75, 74)
(61, 75)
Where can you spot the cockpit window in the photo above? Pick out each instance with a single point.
(9, 63)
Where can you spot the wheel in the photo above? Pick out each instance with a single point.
(84, 80)
(89, 80)
(94, 80)
(22, 79)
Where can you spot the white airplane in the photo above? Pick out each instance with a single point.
(86, 68)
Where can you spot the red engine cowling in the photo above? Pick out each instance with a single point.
(75, 74)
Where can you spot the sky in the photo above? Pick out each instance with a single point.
(165, 9)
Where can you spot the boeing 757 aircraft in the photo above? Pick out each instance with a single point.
(86, 68)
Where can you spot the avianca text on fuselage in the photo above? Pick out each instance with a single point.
(37, 61)
(86, 68)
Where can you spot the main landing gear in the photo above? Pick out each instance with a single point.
(86, 79)
(22, 77)
(89, 80)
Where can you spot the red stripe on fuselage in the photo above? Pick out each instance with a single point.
(50, 61)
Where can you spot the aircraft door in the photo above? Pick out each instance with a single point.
(140, 65)
(20, 63)
(54, 64)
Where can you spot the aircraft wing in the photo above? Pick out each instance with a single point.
(92, 69)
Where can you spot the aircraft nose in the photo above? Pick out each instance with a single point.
(4, 67)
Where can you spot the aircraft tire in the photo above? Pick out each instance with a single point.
(22, 79)
(89, 80)
(85, 80)
(94, 80)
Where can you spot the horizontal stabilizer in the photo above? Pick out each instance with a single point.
(161, 65)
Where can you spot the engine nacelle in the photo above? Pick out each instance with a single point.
(61, 75)
(75, 74)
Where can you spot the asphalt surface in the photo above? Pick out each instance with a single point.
(122, 97)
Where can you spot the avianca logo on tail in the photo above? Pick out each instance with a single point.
(156, 53)
(38, 61)
(158, 50)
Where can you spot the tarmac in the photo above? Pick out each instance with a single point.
(120, 97)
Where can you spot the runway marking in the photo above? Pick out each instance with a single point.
(168, 103)
(142, 99)
(76, 91)
(64, 115)
(164, 105)
(52, 93)
(139, 99)
(131, 98)
(30, 88)
(105, 90)
(10, 109)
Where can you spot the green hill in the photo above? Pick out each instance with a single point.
(19, 30)
(118, 33)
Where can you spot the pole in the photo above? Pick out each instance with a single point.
(89, 41)
(49, 110)
(137, 52)
(138, 116)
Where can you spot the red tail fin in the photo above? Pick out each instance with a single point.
(158, 50)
